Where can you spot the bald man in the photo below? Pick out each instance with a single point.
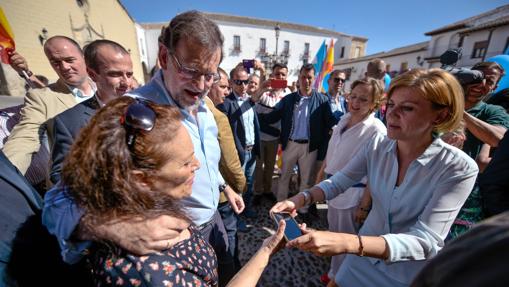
(41, 105)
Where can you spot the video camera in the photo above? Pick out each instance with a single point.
(465, 76)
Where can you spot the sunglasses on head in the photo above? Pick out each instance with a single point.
(241, 82)
(139, 117)
(339, 80)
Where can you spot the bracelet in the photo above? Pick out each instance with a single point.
(307, 197)
(361, 247)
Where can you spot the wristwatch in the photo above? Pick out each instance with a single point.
(307, 197)
(222, 187)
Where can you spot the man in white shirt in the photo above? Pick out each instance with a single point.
(41, 105)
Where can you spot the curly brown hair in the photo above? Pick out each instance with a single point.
(99, 168)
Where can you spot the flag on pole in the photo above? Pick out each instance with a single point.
(327, 68)
(320, 58)
(6, 38)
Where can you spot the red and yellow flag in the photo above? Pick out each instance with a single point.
(6, 38)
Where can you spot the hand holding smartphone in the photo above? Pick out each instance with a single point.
(248, 64)
(278, 84)
(292, 229)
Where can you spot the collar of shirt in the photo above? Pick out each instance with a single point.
(79, 95)
(245, 97)
(158, 78)
(431, 151)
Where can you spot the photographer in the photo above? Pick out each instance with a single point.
(485, 125)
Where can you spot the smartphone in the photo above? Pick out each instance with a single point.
(248, 64)
(292, 229)
(278, 84)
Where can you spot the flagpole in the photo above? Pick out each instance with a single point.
(27, 79)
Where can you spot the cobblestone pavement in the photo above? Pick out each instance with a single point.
(289, 267)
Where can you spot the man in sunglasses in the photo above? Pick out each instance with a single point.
(244, 123)
(337, 101)
(110, 66)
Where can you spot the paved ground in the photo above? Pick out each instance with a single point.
(289, 267)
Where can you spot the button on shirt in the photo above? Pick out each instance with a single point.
(79, 95)
(414, 217)
(338, 108)
(247, 118)
(300, 129)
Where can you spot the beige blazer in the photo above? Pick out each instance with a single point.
(229, 164)
(41, 105)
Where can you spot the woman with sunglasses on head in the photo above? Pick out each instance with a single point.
(135, 159)
(354, 129)
(417, 182)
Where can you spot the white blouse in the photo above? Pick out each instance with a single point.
(342, 148)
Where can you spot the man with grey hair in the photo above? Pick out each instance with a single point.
(190, 51)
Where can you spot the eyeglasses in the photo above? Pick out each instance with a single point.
(339, 80)
(190, 73)
(240, 82)
(139, 117)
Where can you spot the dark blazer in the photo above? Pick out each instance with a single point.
(234, 113)
(18, 201)
(494, 181)
(66, 127)
(321, 120)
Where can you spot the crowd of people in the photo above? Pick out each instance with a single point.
(150, 185)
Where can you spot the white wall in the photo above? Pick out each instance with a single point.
(359, 68)
(250, 43)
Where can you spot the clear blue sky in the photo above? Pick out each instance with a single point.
(387, 24)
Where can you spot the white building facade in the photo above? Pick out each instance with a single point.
(251, 38)
(397, 60)
(479, 37)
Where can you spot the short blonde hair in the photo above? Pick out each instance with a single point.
(377, 89)
(439, 87)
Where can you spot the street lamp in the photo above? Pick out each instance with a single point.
(277, 28)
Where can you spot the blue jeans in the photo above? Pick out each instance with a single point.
(230, 224)
(249, 169)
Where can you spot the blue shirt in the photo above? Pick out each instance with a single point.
(338, 109)
(248, 119)
(414, 218)
(61, 215)
(300, 128)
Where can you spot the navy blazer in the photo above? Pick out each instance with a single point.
(234, 113)
(66, 127)
(18, 201)
(321, 120)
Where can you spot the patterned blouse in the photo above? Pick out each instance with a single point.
(191, 262)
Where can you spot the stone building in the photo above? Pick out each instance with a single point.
(33, 22)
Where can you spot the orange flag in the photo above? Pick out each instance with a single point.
(6, 38)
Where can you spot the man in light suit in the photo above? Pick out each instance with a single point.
(110, 66)
(41, 105)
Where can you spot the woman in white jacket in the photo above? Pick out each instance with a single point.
(354, 129)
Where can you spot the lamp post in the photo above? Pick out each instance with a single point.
(277, 28)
